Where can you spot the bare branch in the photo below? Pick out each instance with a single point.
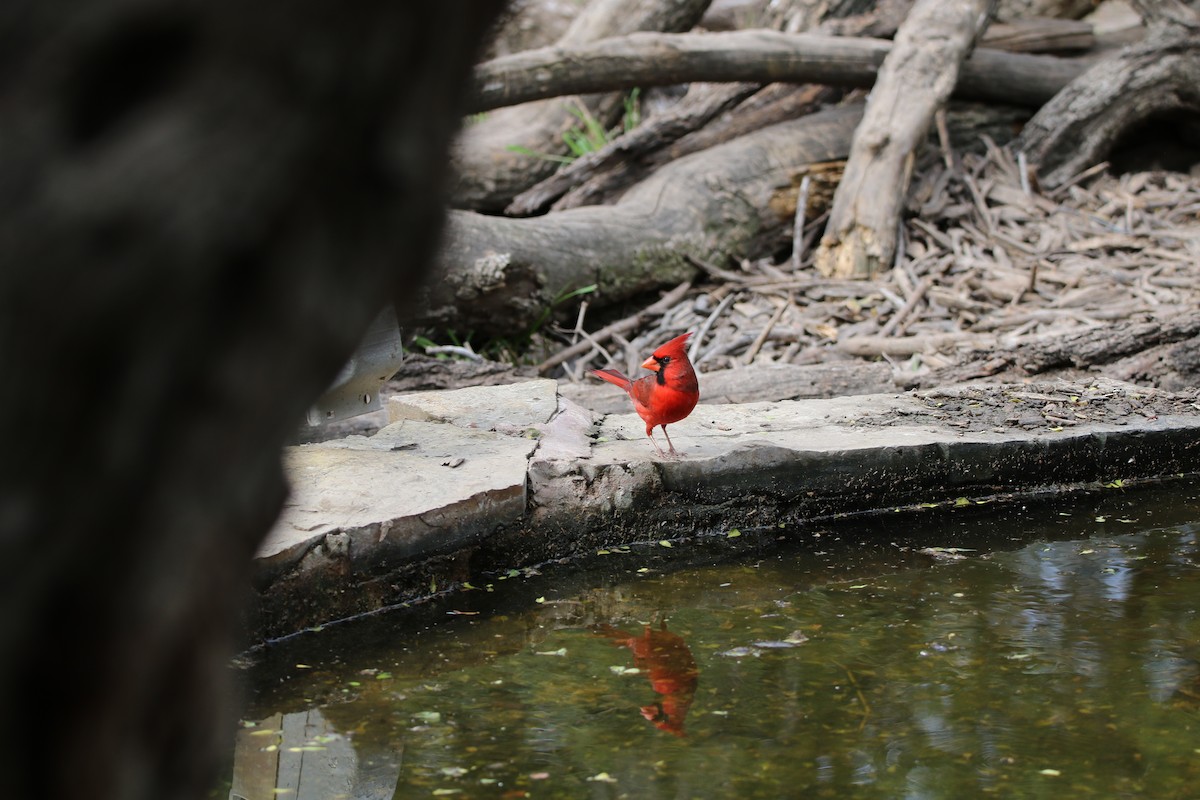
(656, 59)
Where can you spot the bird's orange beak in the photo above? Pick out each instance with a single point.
(650, 364)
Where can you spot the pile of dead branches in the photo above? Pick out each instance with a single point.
(986, 262)
(790, 222)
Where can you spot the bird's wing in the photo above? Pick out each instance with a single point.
(642, 390)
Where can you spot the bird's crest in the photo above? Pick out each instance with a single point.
(674, 348)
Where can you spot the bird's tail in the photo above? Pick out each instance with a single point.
(613, 376)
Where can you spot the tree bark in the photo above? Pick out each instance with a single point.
(200, 204)
(1106, 345)
(490, 172)
(1119, 351)
(1010, 10)
(500, 274)
(914, 82)
(1039, 35)
(1159, 75)
(649, 59)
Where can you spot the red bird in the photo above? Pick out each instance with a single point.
(672, 670)
(668, 395)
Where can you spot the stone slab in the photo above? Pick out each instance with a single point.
(507, 408)
(416, 482)
(517, 474)
(857, 453)
(390, 484)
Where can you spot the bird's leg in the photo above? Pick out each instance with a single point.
(650, 433)
(664, 427)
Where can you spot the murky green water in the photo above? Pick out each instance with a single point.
(1058, 657)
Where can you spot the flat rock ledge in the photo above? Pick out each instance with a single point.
(474, 480)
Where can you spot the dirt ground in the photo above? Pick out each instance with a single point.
(1048, 405)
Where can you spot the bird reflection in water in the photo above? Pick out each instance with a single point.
(665, 657)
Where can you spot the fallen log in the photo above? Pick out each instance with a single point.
(1107, 344)
(1157, 76)
(738, 200)
(492, 156)
(1111, 350)
(501, 274)
(657, 59)
(1039, 35)
(595, 177)
(914, 82)
(1010, 10)
(617, 156)
(777, 102)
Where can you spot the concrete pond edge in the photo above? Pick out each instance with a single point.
(468, 481)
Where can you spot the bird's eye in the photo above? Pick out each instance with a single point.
(663, 359)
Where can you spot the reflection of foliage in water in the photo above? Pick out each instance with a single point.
(1062, 668)
(1028, 671)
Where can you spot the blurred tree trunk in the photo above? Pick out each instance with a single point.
(201, 207)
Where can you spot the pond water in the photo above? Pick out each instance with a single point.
(1048, 649)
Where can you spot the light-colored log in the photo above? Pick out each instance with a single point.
(658, 59)
(914, 82)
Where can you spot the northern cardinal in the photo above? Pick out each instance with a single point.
(668, 395)
(669, 665)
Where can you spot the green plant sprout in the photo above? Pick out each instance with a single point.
(589, 136)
